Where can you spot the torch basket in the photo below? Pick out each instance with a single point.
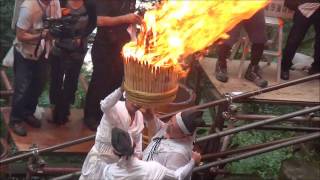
(148, 85)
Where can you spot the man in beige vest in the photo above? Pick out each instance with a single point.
(30, 66)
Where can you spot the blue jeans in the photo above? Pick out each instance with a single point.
(29, 79)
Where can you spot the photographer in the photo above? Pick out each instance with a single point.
(70, 32)
(113, 19)
(32, 43)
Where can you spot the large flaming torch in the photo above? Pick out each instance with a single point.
(171, 32)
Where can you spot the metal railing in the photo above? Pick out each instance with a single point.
(202, 106)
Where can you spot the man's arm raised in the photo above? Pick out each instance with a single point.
(118, 20)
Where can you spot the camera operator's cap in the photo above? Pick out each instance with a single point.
(188, 121)
(121, 142)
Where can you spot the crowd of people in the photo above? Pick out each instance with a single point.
(51, 36)
(41, 46)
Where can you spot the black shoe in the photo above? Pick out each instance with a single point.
(313, 71)
(221, 73)
(285, 75)
(252, 74)
(60, 118)
(18, 129)
(33, 121)
(91, 123)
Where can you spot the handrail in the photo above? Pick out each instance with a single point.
(257, 124)
(298, 140)
(247, 94)
(205, 105)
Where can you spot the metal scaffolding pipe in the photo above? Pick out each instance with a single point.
(49, 149)
(248, 94)
(5, 80)
(243, 149)
(53, 170)
(68, 176)
(290, 128)
(6, 93)
(258, 117)
(259, 151)
(256, 124)
(205, 105)
(83, 82)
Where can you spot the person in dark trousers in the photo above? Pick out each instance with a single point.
(307, 14)
(113, 18)
(68, 54)
(30, 64)
(255, 27)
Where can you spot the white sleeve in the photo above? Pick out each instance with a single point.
(176, 160)
(180, 173)
(107, 103)
(25, 18)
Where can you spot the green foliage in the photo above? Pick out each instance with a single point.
(254, 108)
(71, 160)
(80, 97)
(7, 35)
(266, 165)
(44, 100)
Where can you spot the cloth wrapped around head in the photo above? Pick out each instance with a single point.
(188, 121)
(121, 142)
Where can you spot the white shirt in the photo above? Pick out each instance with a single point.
(31, 20)
(308, 9)
(135, 169)
(115, 115)
(171, 153)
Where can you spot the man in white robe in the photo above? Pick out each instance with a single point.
(130, 167)
(122, 114)
(172, 144)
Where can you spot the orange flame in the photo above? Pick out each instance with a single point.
(180, 28)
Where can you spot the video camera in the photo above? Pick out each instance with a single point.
(62, 27)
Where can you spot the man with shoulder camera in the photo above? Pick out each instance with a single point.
(71, 33)
(31, 43)
(113, 19)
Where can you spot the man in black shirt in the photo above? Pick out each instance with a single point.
(307, 14)
(113, 19)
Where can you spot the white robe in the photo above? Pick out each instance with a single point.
(115, 115)
(171, 153)
(135, 169)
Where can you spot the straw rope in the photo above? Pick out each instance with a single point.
(150, 99)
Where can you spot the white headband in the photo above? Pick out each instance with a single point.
(181, 124)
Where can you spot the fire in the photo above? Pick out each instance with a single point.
(178, 28)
